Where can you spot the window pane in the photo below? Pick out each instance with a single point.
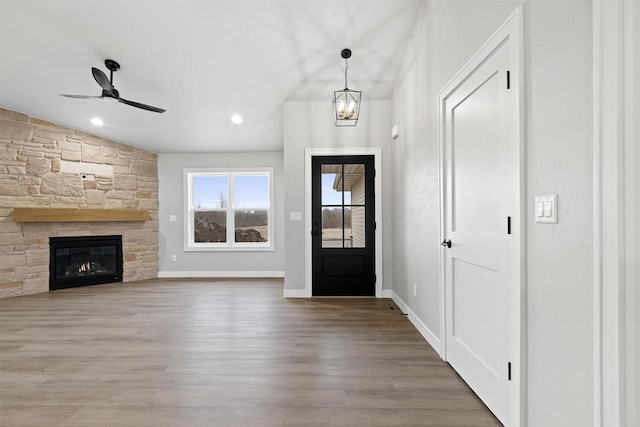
(224, 202)
(331, 227)
(210, 226)
(251, 191)
(252, 225)
(356, 235)
(210, 191)
(354, 184)
(347, 228)
(331, 184)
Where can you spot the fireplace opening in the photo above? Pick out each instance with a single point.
(84, 260)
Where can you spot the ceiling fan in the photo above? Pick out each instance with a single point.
(109, 92)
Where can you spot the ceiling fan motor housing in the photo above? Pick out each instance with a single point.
(111, 96)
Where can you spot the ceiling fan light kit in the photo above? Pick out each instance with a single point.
(109, 92)
(346, 102)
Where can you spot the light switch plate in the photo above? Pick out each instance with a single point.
(173, 218)
(295, 216)
(546, 209)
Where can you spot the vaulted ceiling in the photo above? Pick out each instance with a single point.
(202, 61)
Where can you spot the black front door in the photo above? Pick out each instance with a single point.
(343, 225)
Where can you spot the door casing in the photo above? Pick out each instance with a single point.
(512, 29)
(376, 152)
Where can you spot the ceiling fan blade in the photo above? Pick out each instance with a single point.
(143, 106)
(80, 96)
(102, 79)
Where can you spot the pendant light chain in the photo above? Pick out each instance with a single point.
(346, 67)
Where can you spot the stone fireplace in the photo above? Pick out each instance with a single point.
(84, 260)
(60, 182)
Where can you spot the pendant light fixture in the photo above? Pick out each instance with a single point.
(346, 102)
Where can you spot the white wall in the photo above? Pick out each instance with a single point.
(171, 200)
(632, 213)
(311, 125)
(558, 114)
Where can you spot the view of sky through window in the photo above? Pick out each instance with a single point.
(212, 191)
(331, 196)
(251, 191)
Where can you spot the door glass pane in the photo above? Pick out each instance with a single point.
(210, 192)
(356, 235)
(347, 196)
(210, 226)
(331, 227)
(347, 227)
(354, 184)
(332, 184)
(251, 225)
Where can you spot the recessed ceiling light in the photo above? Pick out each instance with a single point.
(97, 121)
(237, 119)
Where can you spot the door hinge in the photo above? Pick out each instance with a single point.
(375, 173)
(508, 79)
(509, 369)
(375, 225)
(508, 225)
(375, 278)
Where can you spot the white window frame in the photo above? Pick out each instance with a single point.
(230, 244)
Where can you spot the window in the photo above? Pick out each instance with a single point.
(343, 206)
(229, 209)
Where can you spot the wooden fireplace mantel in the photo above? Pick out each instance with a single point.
(78, 215)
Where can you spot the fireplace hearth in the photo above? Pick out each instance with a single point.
(84, 260)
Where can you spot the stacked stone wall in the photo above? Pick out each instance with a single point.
(31, 154)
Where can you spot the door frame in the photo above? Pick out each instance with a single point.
(511, 29)
(376, 152)
(615, 205)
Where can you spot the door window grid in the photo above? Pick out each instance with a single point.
(346, 212)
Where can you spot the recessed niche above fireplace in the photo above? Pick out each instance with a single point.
(84, 260)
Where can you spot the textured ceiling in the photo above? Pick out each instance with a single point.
(200, 60)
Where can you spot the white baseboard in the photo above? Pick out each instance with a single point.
(431, 338)
(296, 293)
(220, 274)
(302, 293)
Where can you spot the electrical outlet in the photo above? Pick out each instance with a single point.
(415, 289)
(174, 257)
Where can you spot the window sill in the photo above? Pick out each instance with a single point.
(229, 249)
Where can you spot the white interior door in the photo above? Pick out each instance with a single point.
(480, 201)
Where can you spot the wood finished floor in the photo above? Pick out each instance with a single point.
(220, 353)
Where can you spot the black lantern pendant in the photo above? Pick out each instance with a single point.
(346, 102)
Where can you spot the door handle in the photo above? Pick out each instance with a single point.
(446, 243)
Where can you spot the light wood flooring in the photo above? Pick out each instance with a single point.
(220, 353)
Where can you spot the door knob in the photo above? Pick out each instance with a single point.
(446, 243)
